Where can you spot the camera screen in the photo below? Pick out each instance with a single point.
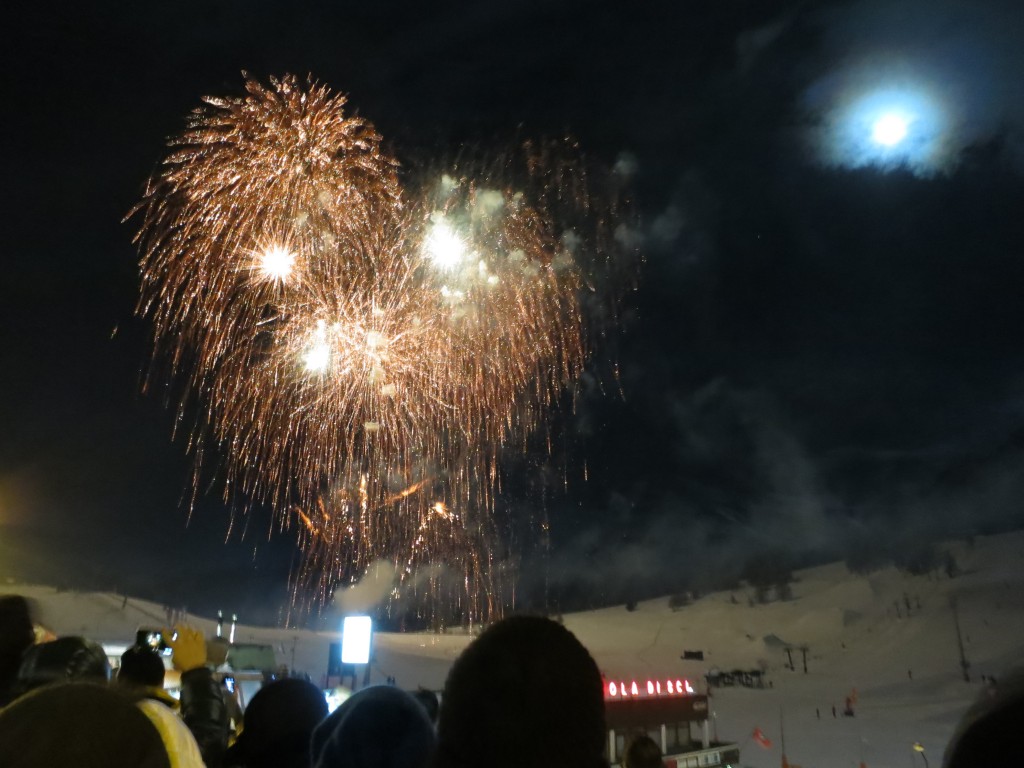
(153, 638)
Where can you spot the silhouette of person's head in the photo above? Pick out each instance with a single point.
(141, 666)
(642, 752)
(989, 732)
(525, 692)
(377, 727)
(278, 724)
(16, 635)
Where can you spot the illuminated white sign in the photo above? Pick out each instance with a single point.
(355, 639)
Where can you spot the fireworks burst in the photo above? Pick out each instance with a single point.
(361, 353)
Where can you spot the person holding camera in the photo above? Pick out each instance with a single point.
(202, 704)
(141, 675)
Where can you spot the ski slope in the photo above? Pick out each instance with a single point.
(904, 666)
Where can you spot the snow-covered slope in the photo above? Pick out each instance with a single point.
(903, 664)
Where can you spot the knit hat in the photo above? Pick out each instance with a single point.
(277, 725)
(378, 727)
(64, 660)
(81, 725)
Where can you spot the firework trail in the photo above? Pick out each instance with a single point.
(360, 353)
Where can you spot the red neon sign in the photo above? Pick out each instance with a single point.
(648, 689)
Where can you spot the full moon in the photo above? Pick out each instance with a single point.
(889, 127)
(889, 130)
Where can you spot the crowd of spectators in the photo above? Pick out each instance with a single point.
(524, 693)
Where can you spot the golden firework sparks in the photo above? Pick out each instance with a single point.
(357, 349)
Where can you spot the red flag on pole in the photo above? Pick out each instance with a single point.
(761, 739)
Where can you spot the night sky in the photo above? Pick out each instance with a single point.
(823, 349)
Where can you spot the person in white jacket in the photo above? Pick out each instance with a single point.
(141, 676)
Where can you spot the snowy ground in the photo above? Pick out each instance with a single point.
(905, 669)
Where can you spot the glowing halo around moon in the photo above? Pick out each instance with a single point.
(863, 121)
(889, 129)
